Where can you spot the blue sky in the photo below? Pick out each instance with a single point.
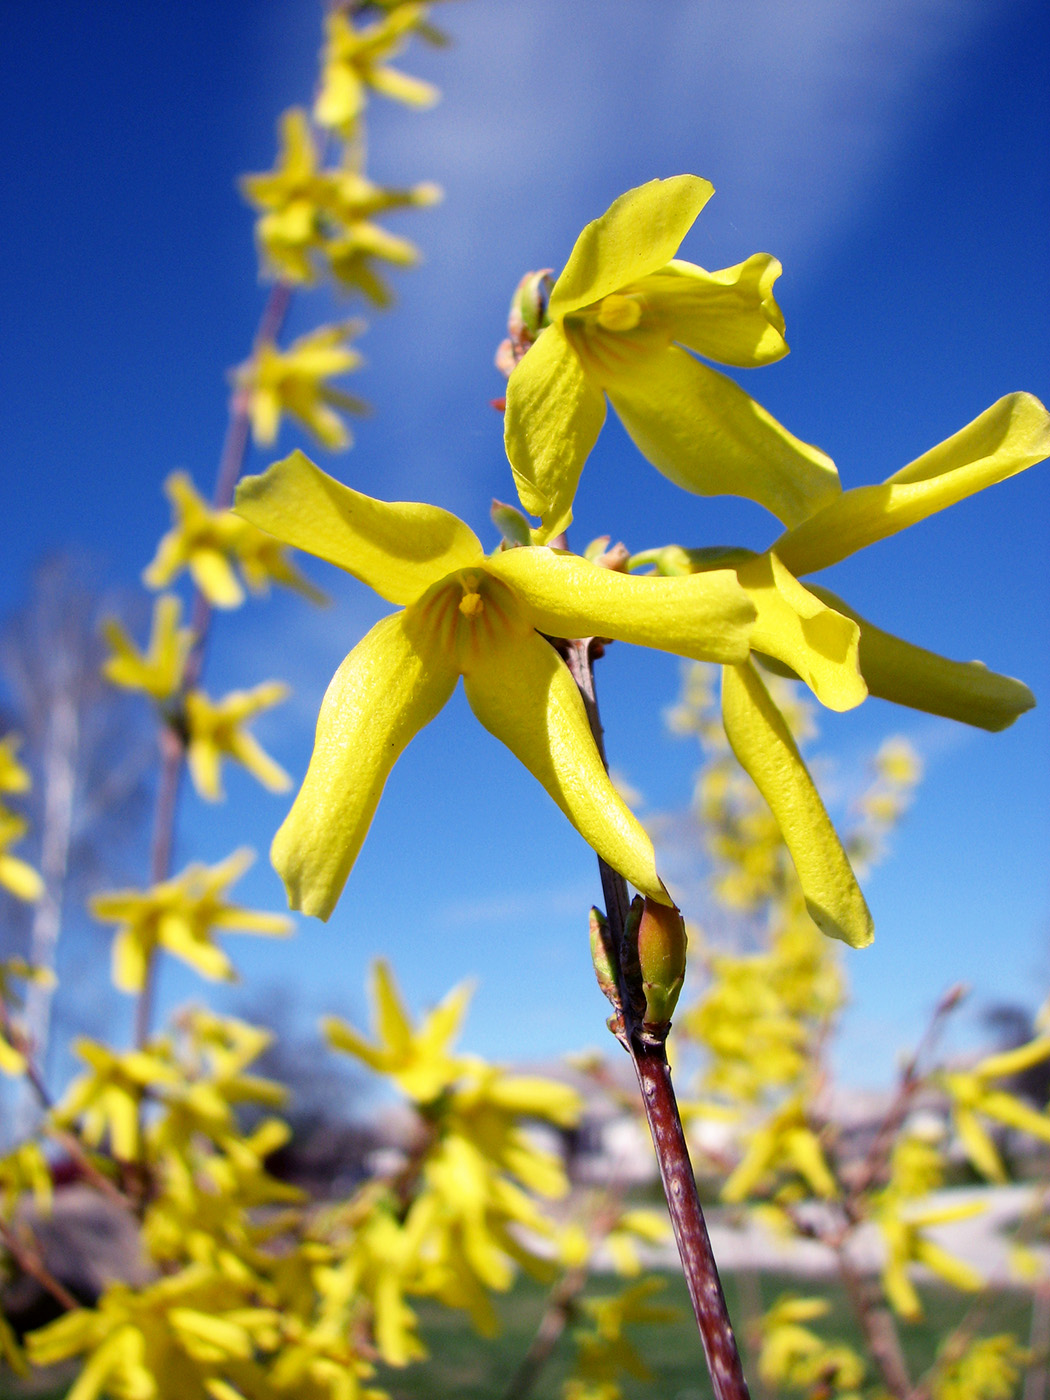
(891, 155)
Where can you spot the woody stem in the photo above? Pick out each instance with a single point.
(649, 1056)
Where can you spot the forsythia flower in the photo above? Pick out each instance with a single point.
(418, 1061)
(292, 381)
(619, 315)
(311, 217)
(482, 618)
(972, 1095)
(794, 1355)
(216, 730)
(182, 916)
(784, 1142)
(1007, 438)
(158, 671)
(13, 775)
(16, 875)
(603, 1352)
(905, 1243)
(106, 1099)
(209, 542)
(987, 1369)
(353, 60)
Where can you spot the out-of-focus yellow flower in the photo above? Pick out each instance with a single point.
(106, 1100)
(17, 875)
(792, 1354)
(905, 1243)
(14, 776)
(25, 1171)
(619, 316)
(604, 1354)
(314, 220)
(182, 916)
(292, 382)
(987, 1368)
(485, 618)
(354, 60)
(417, 1060)
(784, 1142)
(157, 671)
(973, 1095)
(12, 1060)
(216, 729)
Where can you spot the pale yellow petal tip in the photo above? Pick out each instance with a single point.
(856, 928)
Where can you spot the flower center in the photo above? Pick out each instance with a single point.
(619, 313)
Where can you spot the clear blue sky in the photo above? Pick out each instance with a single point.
(893, 156)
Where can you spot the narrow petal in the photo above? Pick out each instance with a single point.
(763, 745)
(387, 689)
(397, 548)
(553, 418)
(704, 433)
(730, 316)
(522, 692)
(637, 234)
(908, 675)
(213, 574)
(1008, 437)
(703, 616)
(810, 637)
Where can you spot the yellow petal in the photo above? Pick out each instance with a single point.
(553, 418)
(908, 675)
(521, 691)
(763, 744)
(20, 878)
(393, 683)
(1008, 437)
(637, 234)
(392, 1020)
(214, 576)
(703, 616)
(709, 437)
(399, 87)
(398, 548)
(818, 644)
(729, 316)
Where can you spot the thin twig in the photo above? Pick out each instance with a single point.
(172, 744)
(28, 1259)
(557, 1315)
(649, 1057)
(877, 1324)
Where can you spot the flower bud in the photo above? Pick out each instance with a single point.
(603, 955)
(661, 959)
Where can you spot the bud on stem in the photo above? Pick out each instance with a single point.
(661, 960)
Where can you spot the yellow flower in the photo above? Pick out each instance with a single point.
(785, 1142)
(106, 1100)
(13, 775)
(181, 915)
(485, 619)
(16, 875)
(973, 1095)
(418, 1061)
(159, 670)
(313, 219)
(1008, 437)
(352, 61)
(292, 382)
(620, 314)
(905, 1243)
(216, 730)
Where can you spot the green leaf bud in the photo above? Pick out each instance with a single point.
(661, 959)
(603, 955)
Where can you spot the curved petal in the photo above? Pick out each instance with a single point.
(638, 233)
(701, 430)
(398, 548)
(730, 316)
(1008, 437)
(806, 634)
(554, 415)
(521, 691)
(703, 616)
(393, 683)
(764, 747)
(908, 675)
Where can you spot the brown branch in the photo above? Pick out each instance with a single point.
(649, 1056)
(557, 1315)
(879, 1328)
(172, 744)
(29, 1260)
